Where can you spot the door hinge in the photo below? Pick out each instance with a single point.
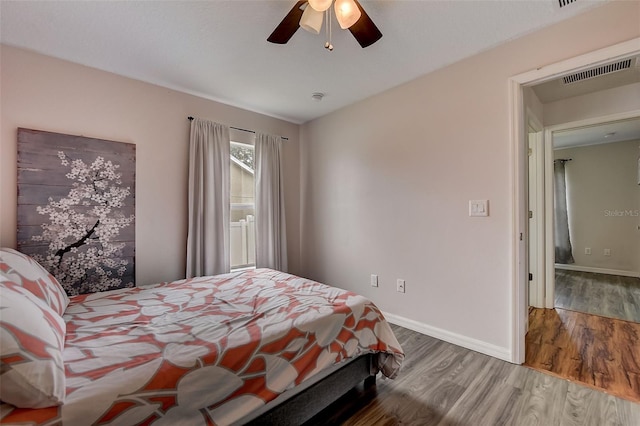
(530, 214)
(521, 236)
(530, 276)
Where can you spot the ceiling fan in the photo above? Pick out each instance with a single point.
(308, 14)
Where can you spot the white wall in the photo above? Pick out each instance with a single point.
(386, 184)
(603, 197)
(43, 93)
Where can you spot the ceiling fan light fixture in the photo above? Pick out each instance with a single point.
(347, 13)
(350, 15)
(320, 5)
(311, 20)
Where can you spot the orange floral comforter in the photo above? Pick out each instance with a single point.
(207, 350)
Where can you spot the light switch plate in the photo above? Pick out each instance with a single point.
(478, 207)
(374, 280)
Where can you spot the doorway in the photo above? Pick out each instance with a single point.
(555, 343)
(519, 256)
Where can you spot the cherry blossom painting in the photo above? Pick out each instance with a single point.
(76, 209)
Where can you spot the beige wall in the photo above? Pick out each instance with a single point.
(603, 196)
(386, 184)
(534, 108)
(605, 102)
(43, 93)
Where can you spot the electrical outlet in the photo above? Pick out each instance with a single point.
(587, 250)
(374, 280)
(400, 286)
(607, 252)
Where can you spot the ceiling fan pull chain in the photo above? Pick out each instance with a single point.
(328, 44)
(326, 28)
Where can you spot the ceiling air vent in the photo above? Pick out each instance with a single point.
(564, 3)
(597, 72)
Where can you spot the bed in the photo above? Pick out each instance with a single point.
(257, 347)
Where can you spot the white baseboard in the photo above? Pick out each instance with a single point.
(454, 338)
(597, 270)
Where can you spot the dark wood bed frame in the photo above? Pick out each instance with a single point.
(302, 406)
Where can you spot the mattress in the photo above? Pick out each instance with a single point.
(207, 350)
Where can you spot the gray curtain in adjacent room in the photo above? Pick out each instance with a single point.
(564, 252)
(208, 232)
(271, 238)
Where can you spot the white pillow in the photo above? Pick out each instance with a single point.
(23, 270)
(31, 344)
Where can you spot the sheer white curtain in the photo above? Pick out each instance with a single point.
(271, 238)
(208, 234)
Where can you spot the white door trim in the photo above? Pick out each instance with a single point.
(518, 173)
(549, 220)
(536, 237)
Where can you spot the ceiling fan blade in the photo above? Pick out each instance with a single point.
(364, 30)
(289, 25)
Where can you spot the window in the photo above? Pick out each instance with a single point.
(242, 236)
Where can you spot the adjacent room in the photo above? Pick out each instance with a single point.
(320, 212)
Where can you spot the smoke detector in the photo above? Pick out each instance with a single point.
(317, 96)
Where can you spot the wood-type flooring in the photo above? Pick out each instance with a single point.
(597, 351)
(610, 296)
(446, 385)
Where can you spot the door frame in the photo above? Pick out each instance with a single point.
(519, 146)
(536, 204)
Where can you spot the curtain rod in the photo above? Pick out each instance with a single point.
(242, 130)
(563, 159)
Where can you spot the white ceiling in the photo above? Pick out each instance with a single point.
(218, 49)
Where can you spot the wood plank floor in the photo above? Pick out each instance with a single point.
(597, 351)
(610, 296)
(446, 385)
